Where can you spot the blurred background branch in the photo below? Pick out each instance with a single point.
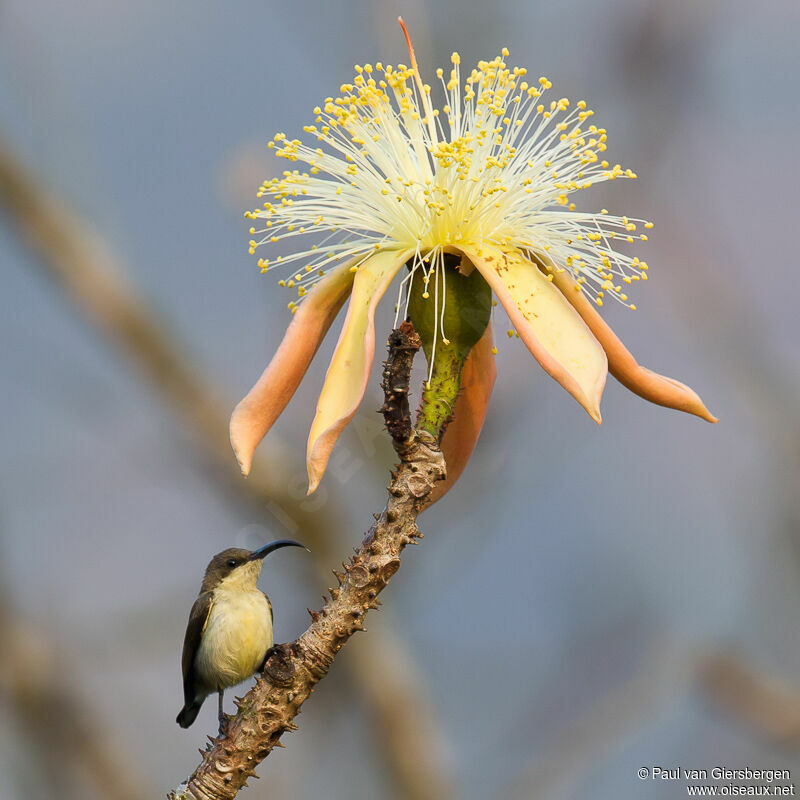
(570, 755)
(54, 723)
(763, 703)
(667, 674)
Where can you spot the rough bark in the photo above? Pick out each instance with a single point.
(293, 670)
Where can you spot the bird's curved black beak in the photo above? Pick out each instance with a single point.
(276, 545)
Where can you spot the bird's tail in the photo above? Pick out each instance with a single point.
(188, 714)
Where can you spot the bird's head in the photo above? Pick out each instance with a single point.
(239, 568)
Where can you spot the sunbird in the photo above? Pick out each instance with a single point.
(230, 628)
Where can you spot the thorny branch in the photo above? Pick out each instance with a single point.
(403, 345)
(293, 670)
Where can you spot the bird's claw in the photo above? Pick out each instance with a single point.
(276, 648)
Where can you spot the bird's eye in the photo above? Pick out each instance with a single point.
(231, 562)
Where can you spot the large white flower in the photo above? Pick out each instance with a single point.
(489, 178)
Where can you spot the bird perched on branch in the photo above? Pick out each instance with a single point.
(230, 628)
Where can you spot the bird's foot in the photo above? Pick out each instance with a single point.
(269, 653)
(276, 649)
(224, 722)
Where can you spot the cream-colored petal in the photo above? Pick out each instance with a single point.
(257, 412)
(461, 436)
(348, 373)
(647, 384)
(556, 336)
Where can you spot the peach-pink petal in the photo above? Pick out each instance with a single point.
(256, 413)
(461, 436)
(650, 385)
(346, 380)
(554, 333)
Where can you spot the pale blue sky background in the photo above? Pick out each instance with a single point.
(568, 554)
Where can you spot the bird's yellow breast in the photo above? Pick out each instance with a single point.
(236, 638)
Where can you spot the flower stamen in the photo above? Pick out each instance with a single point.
(499, 166)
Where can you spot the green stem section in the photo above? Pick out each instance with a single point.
(439, 395)
(467, 303)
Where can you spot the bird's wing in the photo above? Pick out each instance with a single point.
(198, 618)
(269, 610)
